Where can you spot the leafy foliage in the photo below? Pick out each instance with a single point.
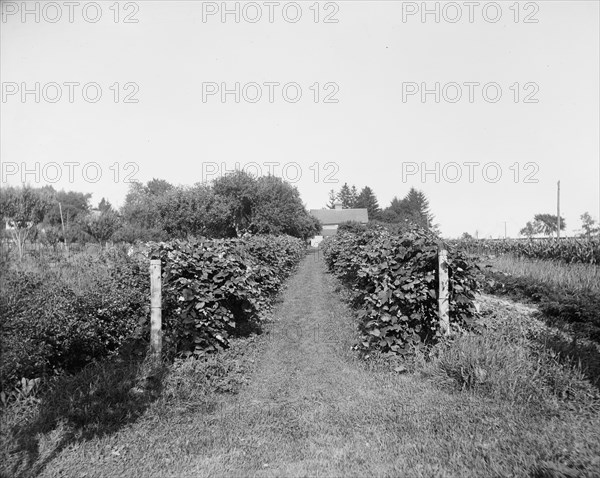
(394, 280)
(233, 205)
(589, 226)
(49, 325)
(213, 288)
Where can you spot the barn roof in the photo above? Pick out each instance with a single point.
(337, 216)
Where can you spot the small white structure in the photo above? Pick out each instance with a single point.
(315, 241)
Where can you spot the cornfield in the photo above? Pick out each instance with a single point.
(568, 250)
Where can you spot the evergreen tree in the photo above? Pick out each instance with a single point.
(345, 196)
(353, 196)
(413, 208)
(418, 208)
(332, 199)
(367, 200)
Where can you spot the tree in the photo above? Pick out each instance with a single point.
(466, 236)
(23, 209)
(105, 206)
(530, 229)
(417, 206)
(100, 227)
(547, 223)
(278, 209)
(140, 206)
(239, 189)
(158, 187)
(589, 227)
(345, 196)
(332, 199)
(412, 209)
(367, 200)
(353, 196)
(73, 204)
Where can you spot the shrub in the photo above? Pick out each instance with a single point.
(52, 324)
(214, 288)
(394, 278)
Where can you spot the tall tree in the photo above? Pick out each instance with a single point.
(367, 200)
(239, 188)
(547, 223)
(412, 209)
(73, 204)
(278, 209)
(418, 208)
(345, 196)
(353, 196)
(332, 199)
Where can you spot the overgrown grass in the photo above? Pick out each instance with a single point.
(567, 294)
(511, 359)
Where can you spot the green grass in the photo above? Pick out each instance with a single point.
(298, 401)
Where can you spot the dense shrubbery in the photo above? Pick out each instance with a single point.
(212, 288)
(567, 250)
(395, 280)
(59, 318)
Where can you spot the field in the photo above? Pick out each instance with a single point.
(279, 362)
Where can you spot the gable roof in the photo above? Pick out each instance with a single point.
(337, 216)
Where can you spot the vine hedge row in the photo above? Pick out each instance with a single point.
(394, 282)
(215, 288)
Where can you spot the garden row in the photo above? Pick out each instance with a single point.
(58, 318)
(393, 278)
(569, 250)
(215, 288)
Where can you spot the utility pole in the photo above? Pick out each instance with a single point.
(558, 210)
(504, 229)
(63, 228)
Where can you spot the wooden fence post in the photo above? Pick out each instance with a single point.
(155, 310)
(443, 299)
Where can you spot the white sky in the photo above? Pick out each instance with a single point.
(370, 134)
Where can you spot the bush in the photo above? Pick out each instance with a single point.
(214, 288)
(51, 323)
(394, 278)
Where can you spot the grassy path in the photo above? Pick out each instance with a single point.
(312, 409)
